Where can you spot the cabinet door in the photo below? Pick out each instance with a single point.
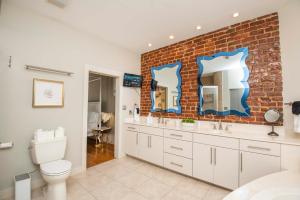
(203, 167)
(150, 148)
(143, 146)
(131, 142)
(253, 166)
(226, 172)
(156, 154)
(290, 158)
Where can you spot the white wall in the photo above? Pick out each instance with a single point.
(289, 24)
(33, 39)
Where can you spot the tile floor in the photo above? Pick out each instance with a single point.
(132, 179)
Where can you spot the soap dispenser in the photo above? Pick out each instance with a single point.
(149, 119)
(136, 113)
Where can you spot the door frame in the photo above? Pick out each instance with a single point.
(118, 109)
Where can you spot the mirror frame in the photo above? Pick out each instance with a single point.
(178, 100)
(244, 81)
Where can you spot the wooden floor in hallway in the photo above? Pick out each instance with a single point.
(97, 155)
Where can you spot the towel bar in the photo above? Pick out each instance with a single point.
(48, 70)
(288, 104)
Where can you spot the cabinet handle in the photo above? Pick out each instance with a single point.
(137, 139)
(176, 135)
(215, 156)
(178, 165)
(131, 128)
(211, 155)
(241, 162)
(177, 148)
(150, 141)
(259, 148)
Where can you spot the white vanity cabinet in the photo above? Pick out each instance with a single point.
(145, 143)
(225, 160)
(218, 165)
(258, 159)
(178, 151)
(150, 148)
(290, 157)
(203, 163)
(131, 140)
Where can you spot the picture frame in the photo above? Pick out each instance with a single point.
(47, 93)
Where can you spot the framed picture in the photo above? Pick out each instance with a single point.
(48, 94)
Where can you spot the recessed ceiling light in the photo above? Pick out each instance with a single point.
(171, 37)
(198, 27)
(236, 14)
(149, 45)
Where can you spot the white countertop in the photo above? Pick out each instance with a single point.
(239, 131)
(278, 182)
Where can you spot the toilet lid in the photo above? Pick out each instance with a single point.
(56, 167)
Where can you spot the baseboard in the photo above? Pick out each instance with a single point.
(35, 184)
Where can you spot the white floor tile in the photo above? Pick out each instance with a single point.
(95, 182)
(216, 193)
(111, 191)
(133, 179)
(153, 189)
(193, 187)
(179, 195)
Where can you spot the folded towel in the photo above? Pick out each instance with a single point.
(59, 132)
(42, 135)
(297, 123)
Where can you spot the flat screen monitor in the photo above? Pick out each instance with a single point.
(132, 80)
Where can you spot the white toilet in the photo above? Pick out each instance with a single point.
(55, 171)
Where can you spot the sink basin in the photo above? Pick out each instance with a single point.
(278, 194)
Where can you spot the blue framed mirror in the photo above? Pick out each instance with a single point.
(166, 88)
(223, 83)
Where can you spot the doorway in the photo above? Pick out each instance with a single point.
(100, 119)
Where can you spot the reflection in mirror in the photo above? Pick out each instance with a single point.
(166, 88)
(223, 86)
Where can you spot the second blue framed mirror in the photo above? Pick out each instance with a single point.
(223, 83)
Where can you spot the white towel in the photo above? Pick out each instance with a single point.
(297, 123)
(59, 132)
(42, 135)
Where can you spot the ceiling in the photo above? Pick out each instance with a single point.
(133, 24)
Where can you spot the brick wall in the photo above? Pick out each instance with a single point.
(260, 35)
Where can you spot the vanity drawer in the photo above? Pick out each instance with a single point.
(179, 164)
(178, 147)
(179, 135)
(260, 147)
(132, 127)
(152, 130)
(231, 143)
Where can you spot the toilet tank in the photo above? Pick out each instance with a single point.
(47, 151)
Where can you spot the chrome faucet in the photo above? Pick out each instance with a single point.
(220, 127)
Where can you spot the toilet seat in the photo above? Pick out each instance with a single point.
(56, 168)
